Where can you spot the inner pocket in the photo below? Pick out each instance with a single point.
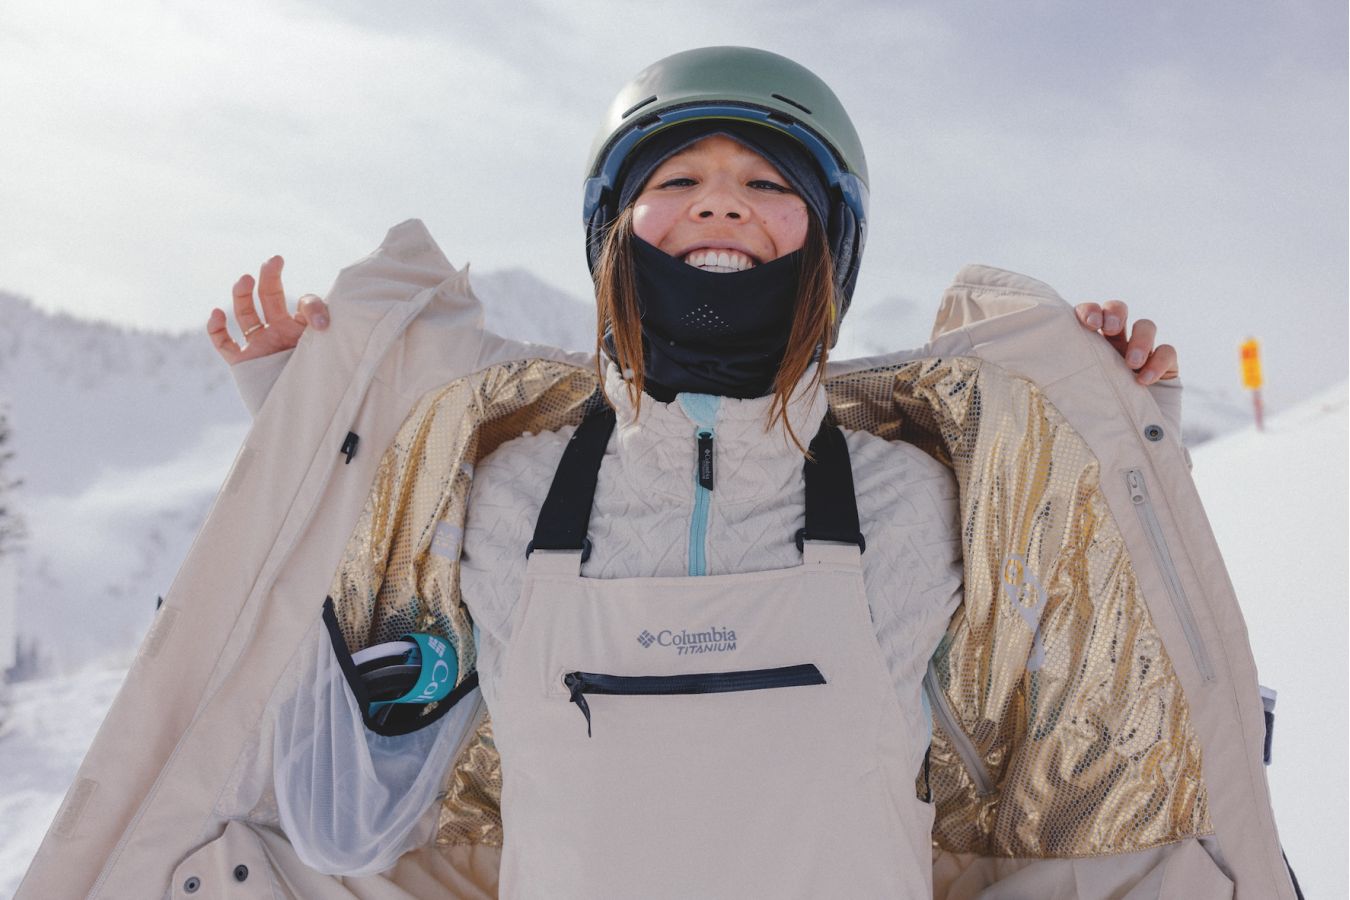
(579, 684)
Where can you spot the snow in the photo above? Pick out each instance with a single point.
(111, 513)
(45, 728)
(1277, 504)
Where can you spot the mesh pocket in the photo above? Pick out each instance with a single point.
(352, 801)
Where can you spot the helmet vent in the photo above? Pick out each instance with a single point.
(778, 97)
(641, 103)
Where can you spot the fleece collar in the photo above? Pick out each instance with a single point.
(657, 447)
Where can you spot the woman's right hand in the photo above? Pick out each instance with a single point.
(277, 330)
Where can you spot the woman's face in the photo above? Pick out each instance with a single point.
(720, 206)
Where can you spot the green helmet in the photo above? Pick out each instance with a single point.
(739, 84)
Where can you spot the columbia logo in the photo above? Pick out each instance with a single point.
(646, 639)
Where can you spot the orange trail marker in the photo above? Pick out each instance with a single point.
(1251, 375)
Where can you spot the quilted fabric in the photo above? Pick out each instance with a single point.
(907, 506)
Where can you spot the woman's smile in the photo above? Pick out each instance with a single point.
(719, 260)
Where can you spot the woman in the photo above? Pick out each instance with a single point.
(725, 223)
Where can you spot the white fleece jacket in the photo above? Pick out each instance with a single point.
(644, 504)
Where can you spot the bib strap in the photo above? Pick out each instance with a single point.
(564, 519)
(831, 506)
(565, 516)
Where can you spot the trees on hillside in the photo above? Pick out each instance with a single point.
(11, 523)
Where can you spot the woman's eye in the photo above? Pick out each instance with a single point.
(770, 186)
(677, 182)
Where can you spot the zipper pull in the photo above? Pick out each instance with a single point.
(349, 445)
(1134, 479)
(705, 460)
(575, 684)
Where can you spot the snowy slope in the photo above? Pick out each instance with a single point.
(1271, 497)
(1277, 503)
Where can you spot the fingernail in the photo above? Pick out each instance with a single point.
(1095, 320)
(1134, 359)
(320, 321)
(1112, 323)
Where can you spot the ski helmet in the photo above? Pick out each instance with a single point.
(737, 84)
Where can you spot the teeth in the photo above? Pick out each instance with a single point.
(719, 260)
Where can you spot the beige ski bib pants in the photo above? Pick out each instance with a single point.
(722, 736)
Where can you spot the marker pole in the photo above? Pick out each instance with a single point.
(1251, 375)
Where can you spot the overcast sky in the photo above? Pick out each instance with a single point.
(1189, 158)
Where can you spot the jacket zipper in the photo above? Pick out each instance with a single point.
(942, 708)
(579, 684)
(1134, 480)
(698, 523)
(702, 409)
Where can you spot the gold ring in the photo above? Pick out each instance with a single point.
(252, 328)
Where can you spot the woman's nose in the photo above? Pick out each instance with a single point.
(719, 203)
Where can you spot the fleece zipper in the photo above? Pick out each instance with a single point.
(702, 410)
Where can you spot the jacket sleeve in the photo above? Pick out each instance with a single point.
(254, 378)
(1167, 394)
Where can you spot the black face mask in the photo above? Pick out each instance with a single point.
(720, 333)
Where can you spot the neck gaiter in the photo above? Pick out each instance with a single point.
(720, 333)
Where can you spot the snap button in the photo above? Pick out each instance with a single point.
(241, 873)
(191, 885)
(1153, 432)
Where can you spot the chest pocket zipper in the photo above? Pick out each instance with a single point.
(1134, 480)
(579, 684)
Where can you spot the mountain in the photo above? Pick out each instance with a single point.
(518, 305)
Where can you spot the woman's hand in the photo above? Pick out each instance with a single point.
(278, 330)
(1110, 319)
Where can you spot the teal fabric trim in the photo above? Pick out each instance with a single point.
(440, 670)
(702, 410)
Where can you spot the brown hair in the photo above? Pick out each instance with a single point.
(808, 341)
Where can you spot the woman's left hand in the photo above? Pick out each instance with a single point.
(1111, 320)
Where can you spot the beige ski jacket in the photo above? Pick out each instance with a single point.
(1097, 723)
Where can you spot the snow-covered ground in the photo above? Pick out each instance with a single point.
(45, 728)
(1277, 501)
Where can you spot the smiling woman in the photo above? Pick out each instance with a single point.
(715, 278)
(939, 631)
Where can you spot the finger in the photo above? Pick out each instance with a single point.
(270, 291)
(1115, 316)
(312, 311)
(244, 313)
(1141, 343)
(1161, 366)
(1089, 315)
(219, 333)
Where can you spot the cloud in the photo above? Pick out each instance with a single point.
(1189, 157)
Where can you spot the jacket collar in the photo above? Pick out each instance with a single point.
(657, 445)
